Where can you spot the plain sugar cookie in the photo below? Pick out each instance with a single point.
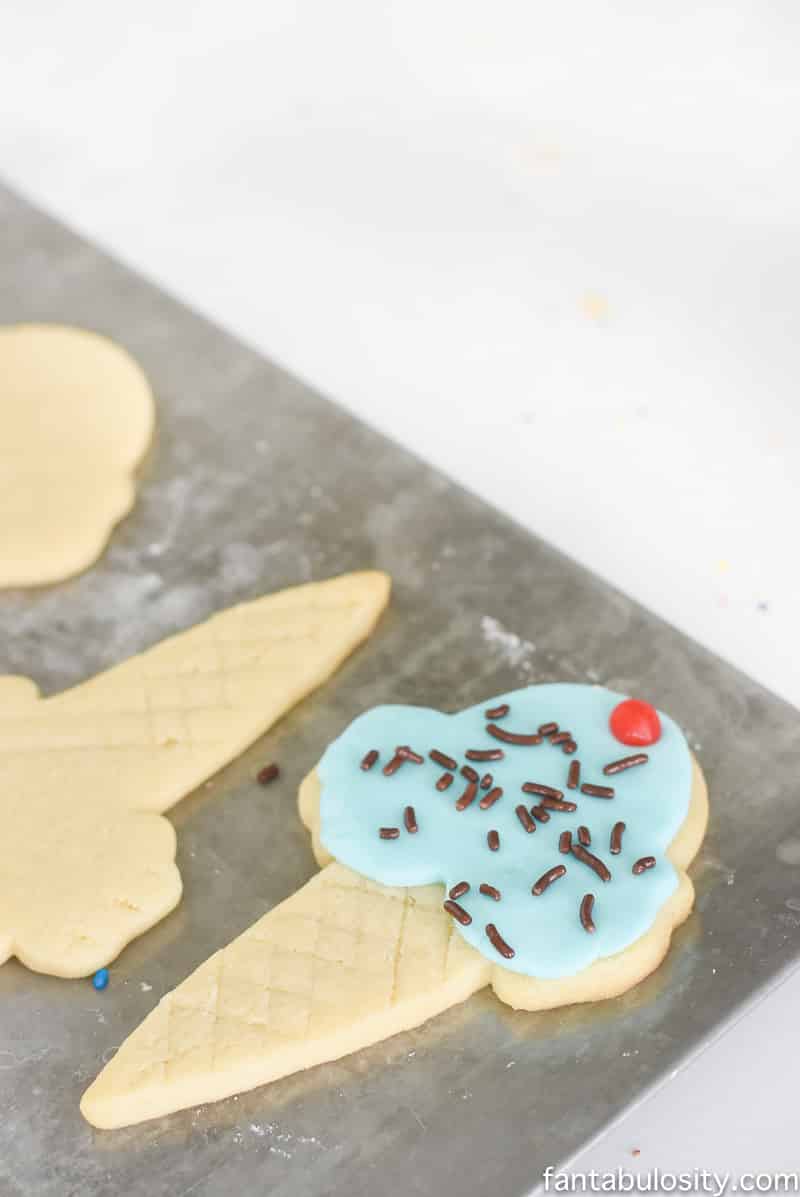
(88, 861)
(77, 416)
(519, 844)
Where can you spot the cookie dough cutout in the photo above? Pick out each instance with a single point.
(343, 963)
(77, 417)
(88, 861)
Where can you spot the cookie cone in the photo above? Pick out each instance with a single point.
(176, 713)
(342, 963)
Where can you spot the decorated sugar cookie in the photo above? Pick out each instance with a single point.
(537, 843)
(88, 859)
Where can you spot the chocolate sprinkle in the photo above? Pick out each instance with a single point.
(569, 747)
(490, 891)
(565, 842)
(408, 754)
(441, 758)
(458, 912)
(643, 864)
(389, 833)
(459, 890)
(486, 781)
(468, 797)
(410, 820)
(524, 818)
(548, 729)
(540, 813)
(561, 738)
(444, 782)
(498, 712)
(489, 799)
(594, 862)
(393, 765)
(493, 840)
(574, 775)
(587, 905)
(597, 791)
(627, 762)
(616, 838)
(498, 942)
(369, 760)
(468, 772)
(557, 804)
(484, 754)
(533, 787)
(512, 737)
(584, 836)
(548, 878)
(267, 774)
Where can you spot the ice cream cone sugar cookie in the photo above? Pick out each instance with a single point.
(88, 859)
(519, 844)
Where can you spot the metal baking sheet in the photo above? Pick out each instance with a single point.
(255, 482)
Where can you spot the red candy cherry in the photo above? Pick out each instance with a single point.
(635, 722)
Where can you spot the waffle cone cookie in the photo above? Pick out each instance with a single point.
(348, 961)
(88, 859)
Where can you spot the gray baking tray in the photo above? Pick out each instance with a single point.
(255, 482)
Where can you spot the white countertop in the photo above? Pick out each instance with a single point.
(551, 248)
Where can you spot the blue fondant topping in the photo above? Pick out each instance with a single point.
(451, 846)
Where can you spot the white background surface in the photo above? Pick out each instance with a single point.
(552, 248)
